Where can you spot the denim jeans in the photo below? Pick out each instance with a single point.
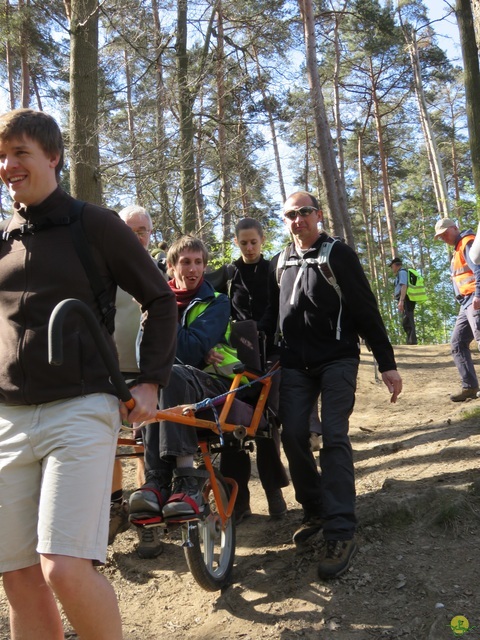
(467, 328)
(330, 494)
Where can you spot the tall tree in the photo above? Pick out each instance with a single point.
(435, 162)
(9, 55)
(24, 48)
(161, 137)
(476, 21)
(463, 11)
(225, 185)
(185, 100)
(85, 180)
(333, 187)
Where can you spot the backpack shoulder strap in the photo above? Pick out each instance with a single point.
(83, 249)
(323, 261)
(231, 270)
(284, 261)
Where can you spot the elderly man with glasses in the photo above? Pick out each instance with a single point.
(320, 354)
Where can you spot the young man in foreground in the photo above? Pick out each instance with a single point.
(59, 425)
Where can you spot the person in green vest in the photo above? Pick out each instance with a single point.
(203, 369)
(406, 306)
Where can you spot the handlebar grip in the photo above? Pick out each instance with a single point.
(55, 343)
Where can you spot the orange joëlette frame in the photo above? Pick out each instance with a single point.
(185, 414)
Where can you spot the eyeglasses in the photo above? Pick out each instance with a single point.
(142, 234)
(303, 212)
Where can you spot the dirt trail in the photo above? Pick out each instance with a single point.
(419, 513)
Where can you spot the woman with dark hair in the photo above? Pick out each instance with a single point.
(248, 293)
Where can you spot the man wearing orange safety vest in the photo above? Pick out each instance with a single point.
(466, 283)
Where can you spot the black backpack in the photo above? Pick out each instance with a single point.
(74, 221)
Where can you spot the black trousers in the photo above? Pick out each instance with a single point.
(408, 321)
(237, 465)
(331, 494)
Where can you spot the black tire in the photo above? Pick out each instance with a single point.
(211, 555)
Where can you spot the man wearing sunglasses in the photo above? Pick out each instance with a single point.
(320, 355)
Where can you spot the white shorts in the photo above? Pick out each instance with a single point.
(56, 462)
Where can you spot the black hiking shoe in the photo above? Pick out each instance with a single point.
(335, 557)
(309, 527)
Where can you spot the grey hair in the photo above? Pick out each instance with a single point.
(134, 210)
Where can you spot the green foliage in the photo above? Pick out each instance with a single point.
(262, 80)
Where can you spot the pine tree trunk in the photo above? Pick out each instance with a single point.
(363, 200)
(8, 56)
(85, 180)
(187, 168)
(273, 131)
(476, 21)
(463, 10)
(25, 83)
(131, 130)
(434, 160)
(333, 187)
(225, 186)
(165, 222)
(384, 167)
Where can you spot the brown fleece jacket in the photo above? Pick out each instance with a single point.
(39, 270)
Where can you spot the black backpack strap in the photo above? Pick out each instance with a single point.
(30, 227)
(83, 249)
(220, 279)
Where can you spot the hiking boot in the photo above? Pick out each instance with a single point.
(309, 527)
(335, 557)
(186, 501)
(464, 394)
(277, 507)
(149, 545)
(118, 520)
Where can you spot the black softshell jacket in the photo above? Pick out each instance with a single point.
(308, 311)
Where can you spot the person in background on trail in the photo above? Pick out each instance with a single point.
(406, 307)
(466, 284)
(248, 296)
(127, 326)
(59, 424)
(202, 347)
(320, 328)
(160, 255)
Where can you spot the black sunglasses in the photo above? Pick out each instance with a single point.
(303, 212)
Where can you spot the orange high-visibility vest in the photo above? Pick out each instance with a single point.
(462, 275)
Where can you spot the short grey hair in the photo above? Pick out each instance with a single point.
(134, 210)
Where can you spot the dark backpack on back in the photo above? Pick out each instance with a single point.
(74, 221)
